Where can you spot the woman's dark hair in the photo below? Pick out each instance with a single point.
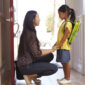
(28, 26)
(29, 20)
(70, 11)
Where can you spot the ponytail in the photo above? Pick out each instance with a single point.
(72, 15)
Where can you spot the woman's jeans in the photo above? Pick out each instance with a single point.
(41, 67)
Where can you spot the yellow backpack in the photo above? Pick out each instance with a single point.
(75, 29)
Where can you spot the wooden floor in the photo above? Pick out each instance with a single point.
(76, 78)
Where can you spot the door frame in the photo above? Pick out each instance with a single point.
(12, 42)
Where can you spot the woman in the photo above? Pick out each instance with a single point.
(32, 60)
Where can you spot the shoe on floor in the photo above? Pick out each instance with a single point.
(37, 81)
(64, 81)
(58, 80)
(33, 84)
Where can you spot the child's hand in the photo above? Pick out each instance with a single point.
(55, 48)
(58, 46)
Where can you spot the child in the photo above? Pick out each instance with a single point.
(63, 53)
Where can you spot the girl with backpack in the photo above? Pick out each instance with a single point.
(63, 53)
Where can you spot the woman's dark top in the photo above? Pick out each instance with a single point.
(29, 48)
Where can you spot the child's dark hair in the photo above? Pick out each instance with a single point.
(70, 11)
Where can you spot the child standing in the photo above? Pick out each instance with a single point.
(63, 53)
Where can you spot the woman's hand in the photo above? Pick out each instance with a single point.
(54, 45)
(47, 51)
(55, 48)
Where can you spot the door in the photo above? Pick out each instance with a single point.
(12, 40)
(6, 43)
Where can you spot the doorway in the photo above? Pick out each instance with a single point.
(48, 12)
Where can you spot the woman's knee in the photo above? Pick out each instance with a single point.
(54, 68)
(51, 56)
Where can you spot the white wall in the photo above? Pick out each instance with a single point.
(77, 5)
(83, 6)
(78, 47)
(84, 32)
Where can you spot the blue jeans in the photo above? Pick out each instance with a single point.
(63, 56)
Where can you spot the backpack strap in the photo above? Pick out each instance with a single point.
(65, 25)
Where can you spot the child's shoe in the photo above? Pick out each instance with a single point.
(65, 81)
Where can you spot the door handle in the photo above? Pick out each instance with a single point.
(9, 20)
(15, 34)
